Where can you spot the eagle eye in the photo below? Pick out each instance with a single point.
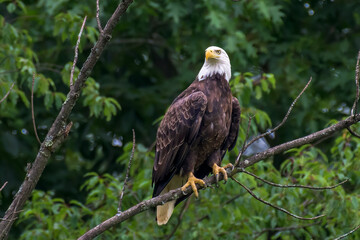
(218, 52)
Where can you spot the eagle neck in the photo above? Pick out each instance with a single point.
(209, 69)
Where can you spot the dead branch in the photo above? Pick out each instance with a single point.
(357, 72)
(127, 173)
(97, 16)
(274, 206)
(210, 180)
(56, 134)
(32, 109)
(3, 186)
(293, 186)
(76, 52)
(244, 144)
(283, 229)
(347, 234)
(7, 94)
(284, 119)
(352, 132)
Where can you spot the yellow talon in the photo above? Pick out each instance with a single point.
(192, 180)
(217, 169)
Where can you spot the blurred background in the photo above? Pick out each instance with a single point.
(155, 52)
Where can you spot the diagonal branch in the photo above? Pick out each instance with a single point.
(274, 206)
(347, 234)
(3, 186)
(32, 109)
(97, 16)
(284, 119)
(127, 173)
(180, 217)
(57, 133)
(76, 52)
(7, 94)
(176, 193)
(292, 186)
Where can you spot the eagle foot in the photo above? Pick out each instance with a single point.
(192, 180)
(217, 170)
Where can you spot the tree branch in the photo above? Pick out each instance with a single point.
(3, 186)
(210, 180)
(292, 186)
(97, 16)
(180, 217)
(7, 94)
(32, 109)
(57, 133)
(347, 234)
(274, 206)
(127, 173)
(357, 72)
(76, 52)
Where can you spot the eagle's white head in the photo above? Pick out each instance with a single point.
(216, 61)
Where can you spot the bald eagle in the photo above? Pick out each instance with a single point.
(201, 124)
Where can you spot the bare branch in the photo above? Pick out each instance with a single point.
(284, 119)
(347, 234)
(243, 147)
(7, 94)
(283, 229)
(97, 16)
(76, 52)
(273, 206)
(32, 109)
(3, 186)
(357, 72)
(180, 217)
(127, 173)
(57, 133)
(292, 186)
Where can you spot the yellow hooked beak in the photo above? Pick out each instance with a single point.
(211, 54)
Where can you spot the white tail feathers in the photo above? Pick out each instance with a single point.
(164, 212)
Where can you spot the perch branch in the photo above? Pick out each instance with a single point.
(76, 52)
(347, 234)
(57, 133)
(32, 109)
(210, 180)
(357, 72)
(7, 94)
(127, 173)
(97, 16)
(292, 186)
(284, 119)
(274, 206)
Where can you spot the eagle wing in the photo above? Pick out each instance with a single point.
(176, 132)
(230, 141)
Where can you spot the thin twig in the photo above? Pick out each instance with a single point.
(127, 173)
(284, 119)
(32, 109)
(274, 206)
(357, 72)
(292, 186)
(76, 53)
(97, 16)
(7, 94)
(244, 144)
(3, 186)
(180, 217)
(352, 132)
(347, 234)
(283, 229)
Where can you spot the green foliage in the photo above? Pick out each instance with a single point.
(143, 69)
